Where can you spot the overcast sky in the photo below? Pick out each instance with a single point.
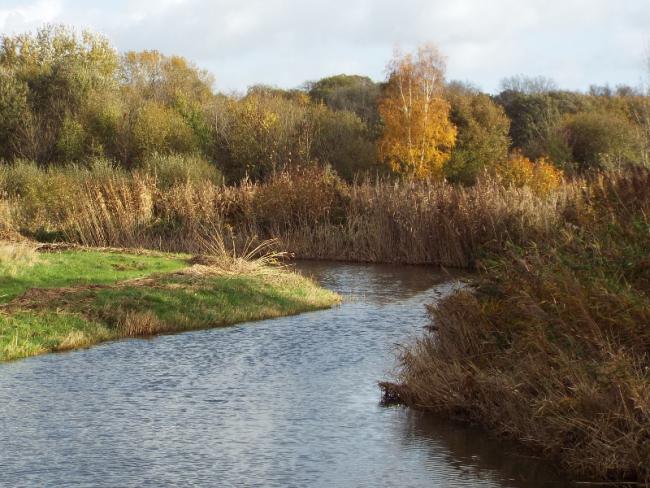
(285, 42)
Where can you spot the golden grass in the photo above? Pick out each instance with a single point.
(309, 214)
(139, 323)
(16, 257)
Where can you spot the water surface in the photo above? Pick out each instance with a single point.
(289, 402)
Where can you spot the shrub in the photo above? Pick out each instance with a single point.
(174, 169)
(600, 139)
(342, 140)
(541, 176)
(160, 129)
(482, 140)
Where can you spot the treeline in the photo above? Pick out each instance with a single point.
(71, 98)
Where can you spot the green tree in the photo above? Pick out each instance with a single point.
(600, 139)
(353, 93)
(342, 140)
(482, 140)
(13, 109)
(61, 70)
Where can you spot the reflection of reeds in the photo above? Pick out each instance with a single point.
(309, 213)
(553, 347)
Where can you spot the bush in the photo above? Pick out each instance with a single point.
(482, 140)
(541, 176)
(302, 197)
(342, 140)
(160, 129)
(174, 169)
(600, 140)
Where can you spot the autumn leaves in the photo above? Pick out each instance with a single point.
(418, 135)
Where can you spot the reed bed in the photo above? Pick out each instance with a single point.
(552, 344)
(308, 213)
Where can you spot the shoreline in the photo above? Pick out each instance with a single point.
(72, 297)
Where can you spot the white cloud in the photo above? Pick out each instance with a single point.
(286, 42)
(27, 16)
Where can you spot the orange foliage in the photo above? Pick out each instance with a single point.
(541, 175)
(418, 135)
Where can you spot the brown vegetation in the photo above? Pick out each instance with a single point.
(552, 346)
(310, 213)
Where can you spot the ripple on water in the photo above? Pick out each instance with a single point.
(284, 402)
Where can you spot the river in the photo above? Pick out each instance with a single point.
(289, 402)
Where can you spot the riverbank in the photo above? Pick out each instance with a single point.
(551, 345)
(62, 298)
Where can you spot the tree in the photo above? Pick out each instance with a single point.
(358, 94)
(152, 75)
(61, 70)
(13, 108)
(418, 136)
(482, 140)
(342, 140)
(528, 85)
(536, 120)
(262, 133)
(599, 139)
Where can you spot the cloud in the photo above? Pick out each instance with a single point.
(285, 42)
(27, 16)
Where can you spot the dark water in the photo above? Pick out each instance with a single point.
(285, 402)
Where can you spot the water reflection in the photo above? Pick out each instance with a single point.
(475, 454)
(377, 283)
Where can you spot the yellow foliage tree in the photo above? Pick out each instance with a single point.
(418, 136)
(540, 176)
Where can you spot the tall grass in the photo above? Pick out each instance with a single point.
(552, 346)
(309, 213)
(16, 257)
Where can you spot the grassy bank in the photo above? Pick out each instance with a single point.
(66, 299)
(552, 344)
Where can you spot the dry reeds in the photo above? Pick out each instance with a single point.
(140, 324)
(553, 346)
(309, 213)
(16, 257)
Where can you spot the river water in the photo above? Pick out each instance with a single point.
(289, 402)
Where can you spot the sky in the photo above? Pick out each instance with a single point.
(287, 42)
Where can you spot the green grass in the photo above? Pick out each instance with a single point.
(30, 333)
(81, 267)
(188, 302)
(63, 308)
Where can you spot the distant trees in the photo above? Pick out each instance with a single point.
(54, 73)
(576, 131)
(418, 135)
(482, 141)
(535, 119)
(600, 139)
(352, 93)
(70, 97)
(261, 133)
(270, 130)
